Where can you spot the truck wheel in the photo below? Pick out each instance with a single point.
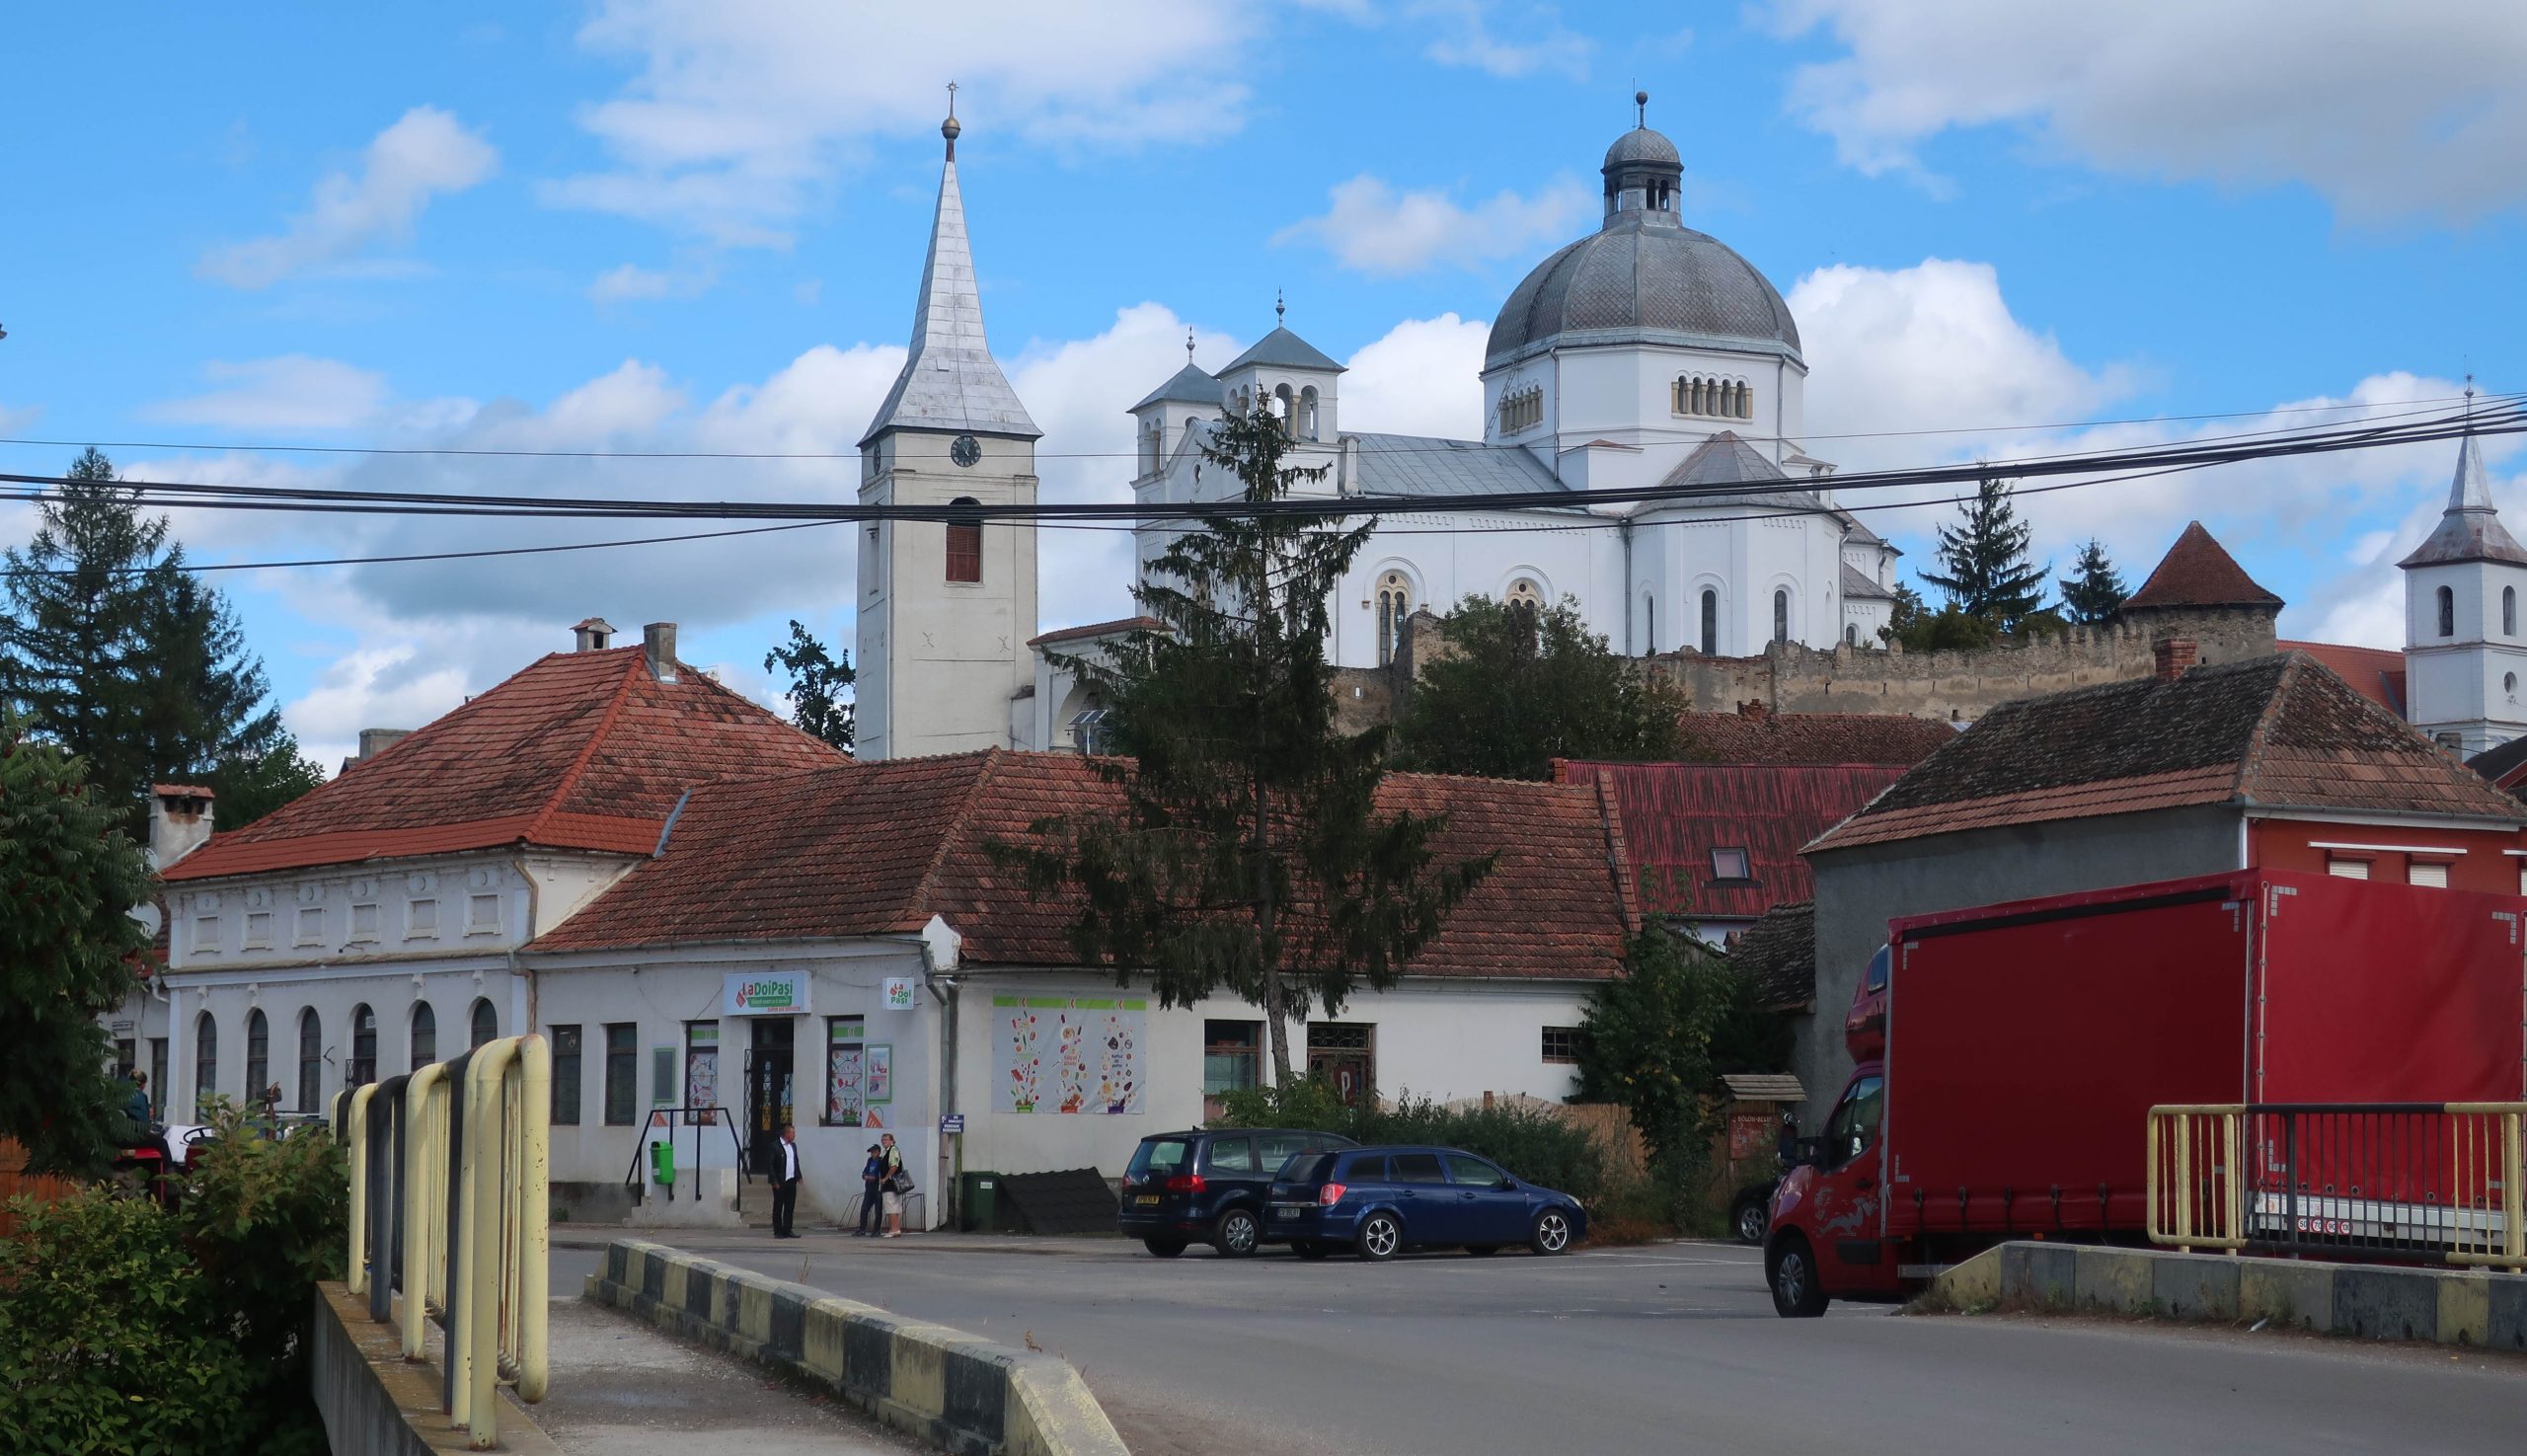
(1379, 1238)
(1750, 1220)
(1796, 1295)
(1164, 1248)
(1552, 1233)
(1237, 1233)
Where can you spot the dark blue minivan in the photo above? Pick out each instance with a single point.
(1380, 1202)
(1207, 1186)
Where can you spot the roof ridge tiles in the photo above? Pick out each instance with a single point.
(955, 829)
(1618, 853)
(570, 776)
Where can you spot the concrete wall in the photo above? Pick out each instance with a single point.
(1858, 891)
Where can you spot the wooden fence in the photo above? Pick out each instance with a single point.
(17, 1183)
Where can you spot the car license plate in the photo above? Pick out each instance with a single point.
(1287, 1210)
(1146, 1200)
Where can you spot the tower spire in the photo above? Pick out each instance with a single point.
(1281, 308)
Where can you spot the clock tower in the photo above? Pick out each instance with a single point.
(946, 601)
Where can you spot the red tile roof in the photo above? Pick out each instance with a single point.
(1674, 814)
(580, 751)
(2375, 673)
(1758, 737)
(877, 849)
(2280, 731)
(2199, 572)
(182, 791)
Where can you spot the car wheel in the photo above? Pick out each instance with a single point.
(1482, 1251)
(1164, 1248)
(1796, 1295)
(1750, 1220)
(1309, 1249)
(1552, 1233)
(1379, 1237)
(1237, 1233)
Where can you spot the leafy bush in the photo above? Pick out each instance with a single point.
(1530, 1141)
(128, 1329)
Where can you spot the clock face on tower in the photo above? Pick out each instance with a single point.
(966, 450)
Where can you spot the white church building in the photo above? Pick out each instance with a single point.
(1643, 355)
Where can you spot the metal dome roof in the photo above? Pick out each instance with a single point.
(1645, 277)
(1641, 145)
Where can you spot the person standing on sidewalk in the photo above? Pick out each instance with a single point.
(871, 1174)
(785, 1185)
(893, 1180)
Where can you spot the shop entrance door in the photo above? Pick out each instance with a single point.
(770, 1065)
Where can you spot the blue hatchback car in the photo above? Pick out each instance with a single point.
(1379, 1201)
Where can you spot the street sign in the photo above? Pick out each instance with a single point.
(951, 1122)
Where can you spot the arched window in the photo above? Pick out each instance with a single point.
(1395, 603)
(424, 1036)
(1650, 620)
(1285, 408)
(259, 1054)
(2510, 611)
(1525, 594)
(1745, 402)
(1149, 446)
(1697, 407)
(310, 1061)
(2447, 612)
(206, 1059)
(965, 545)
(487, 1023)
(1781, 614)
(1851, 634)
(1710, 623)
(363, 1064)
(1307, 413)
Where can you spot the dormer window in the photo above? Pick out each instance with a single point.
(1730, 862)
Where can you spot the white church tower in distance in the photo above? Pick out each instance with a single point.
(2464, 657)
(945, 605)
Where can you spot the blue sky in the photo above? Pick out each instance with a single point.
(680, 224)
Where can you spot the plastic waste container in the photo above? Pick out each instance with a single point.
(977, 1203)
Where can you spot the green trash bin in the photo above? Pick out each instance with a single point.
(663, 1163)
(977, 1203)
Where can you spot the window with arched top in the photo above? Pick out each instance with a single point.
(2510, 611)
(362, 1069)
(424, 1041)
(1650, 620)
(2447, 612)
(259, 1053)
(1710, 623)
(310, 1061)
(1781, 614)
(1149, 446)
(1308, 402)
(1522, 409)
(206, 1059)
(1395, 603)
(965, 545)
(485, 1024)
(1851, 634)
(1745, 402)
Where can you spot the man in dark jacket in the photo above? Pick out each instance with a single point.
(871, 1173)
(784, 1183)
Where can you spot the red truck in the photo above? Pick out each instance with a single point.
(2007, 1057)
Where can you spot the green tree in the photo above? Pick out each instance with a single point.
(819, 684)
(110, 646)
(1658, 1038)
(69, 949)
(1245, 853)
(1518, 688)
(2095, 590)
(1985, 560)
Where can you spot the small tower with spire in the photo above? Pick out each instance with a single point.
(946, 604)
(2465, 657)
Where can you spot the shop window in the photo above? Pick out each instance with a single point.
(701, 1069)
(846, 1071)
(565, 1076)
(622, 1071)
(1561, 1044)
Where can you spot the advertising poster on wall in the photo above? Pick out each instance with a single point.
(846, 1064)
(1075, 1054)
(882, 1072)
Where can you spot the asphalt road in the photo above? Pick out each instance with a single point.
(1667, 1348)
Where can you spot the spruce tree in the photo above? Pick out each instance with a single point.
(2095, 590)
(818, 681)
(1986, 557)
(1245, 853)
(112, 649)
(1518, 688)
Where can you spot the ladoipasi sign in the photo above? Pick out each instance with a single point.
(764, 993)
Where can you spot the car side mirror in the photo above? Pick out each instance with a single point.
(1506, 1185)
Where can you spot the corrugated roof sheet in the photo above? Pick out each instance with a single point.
(1426, 465)
(578, 750)
(1859, 586)
(1675, 814)
(880, 848)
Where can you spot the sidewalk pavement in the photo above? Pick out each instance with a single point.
(621, 1387)
(831, 1241)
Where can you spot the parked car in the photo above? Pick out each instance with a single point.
(1750, 1213)
(1380, 1202)
(1207, 1186)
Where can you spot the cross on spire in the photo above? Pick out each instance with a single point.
(1281, 308)
(1188, 344)
(1641, 109)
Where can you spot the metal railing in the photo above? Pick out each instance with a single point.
(450, 1171)
(2434, 1181)
(696, 1118)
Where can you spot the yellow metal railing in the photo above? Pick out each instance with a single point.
(2439, 1182)
(491, 1295)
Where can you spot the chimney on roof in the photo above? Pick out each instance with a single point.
(373, 741)
(2175, 657)
(178, 821)
(594, 635)
(657, 649)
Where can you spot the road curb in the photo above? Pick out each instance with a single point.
(2464, 1307)
(944, 1386)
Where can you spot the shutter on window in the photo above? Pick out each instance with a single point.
(2434, 876)
(2348, 869)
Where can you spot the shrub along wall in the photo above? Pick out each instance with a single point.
(1531, 1140)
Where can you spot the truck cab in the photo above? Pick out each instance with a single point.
(1828, 1230)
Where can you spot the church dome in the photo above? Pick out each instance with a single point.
(1644, 278)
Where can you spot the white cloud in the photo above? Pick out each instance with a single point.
(371, 687)
(1375, 229)
(426, 153)
(23, 417)
(293, 392)
(2386, 112)
(1422, 378)
(1466, 38)
(736, 112)
(632, 283)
